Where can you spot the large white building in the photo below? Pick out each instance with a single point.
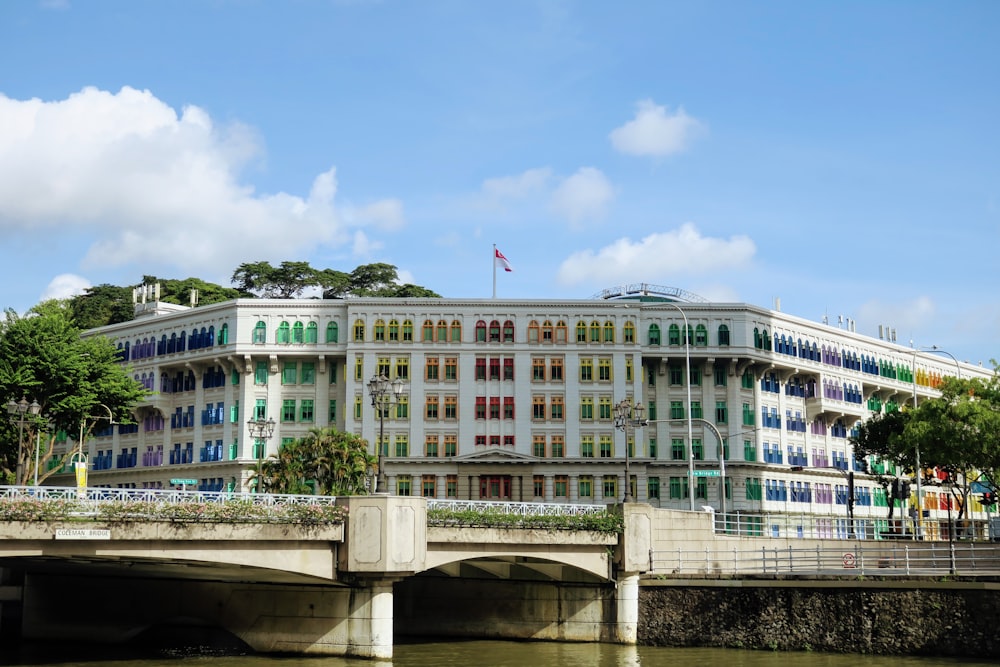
(515, 399)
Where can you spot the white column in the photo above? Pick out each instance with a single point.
(627, 606)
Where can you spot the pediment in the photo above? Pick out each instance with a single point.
(496, 455)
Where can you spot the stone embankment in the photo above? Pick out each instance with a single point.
(878, 617)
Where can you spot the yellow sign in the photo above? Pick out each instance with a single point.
(81, 474)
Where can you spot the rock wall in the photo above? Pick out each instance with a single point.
(881, 618)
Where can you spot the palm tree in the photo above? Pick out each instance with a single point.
(335, 463)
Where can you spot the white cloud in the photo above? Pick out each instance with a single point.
(384, 215)
(585, 194)
(64, 286)
(655, 131)
(528, 183)
(159, 188)
(362, 246)
(656, 258)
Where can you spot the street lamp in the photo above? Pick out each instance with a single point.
(916, 450)
(261, 431)
(687, 411)
(79, 459)
(18, 412)
(384, 394)
(628, 415)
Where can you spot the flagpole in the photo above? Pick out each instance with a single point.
(494, 262)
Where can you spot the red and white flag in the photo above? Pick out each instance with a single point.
(500, 260)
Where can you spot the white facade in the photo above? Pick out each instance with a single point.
(513, 399)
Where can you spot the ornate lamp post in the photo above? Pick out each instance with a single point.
(628, 415)
(384, 394)
(18, 412)
(261, 431)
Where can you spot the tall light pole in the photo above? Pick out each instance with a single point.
(916, 450)
(18, 412)
(261, 431)
(628, 415)
(79, 459)
(384, 394)
(687, 410)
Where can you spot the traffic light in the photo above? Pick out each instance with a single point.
(989, 498)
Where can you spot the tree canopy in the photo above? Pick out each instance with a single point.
(957, 432)
(44, 359)
(291, 279)
(335, 463)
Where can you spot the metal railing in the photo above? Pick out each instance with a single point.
(98, 495)
(519, 509)
(828, 527)
(847, 560)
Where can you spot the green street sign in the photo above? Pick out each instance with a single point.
(706, 473)
(183, 482)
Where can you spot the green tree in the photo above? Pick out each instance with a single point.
(102, 305)
(881, 444)
(43, 358)
(179, 291)
(959, 432)
(333, 462)
(286, 281)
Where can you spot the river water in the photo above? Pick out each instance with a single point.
(480, 654)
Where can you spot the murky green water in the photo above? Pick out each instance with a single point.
(481, 654)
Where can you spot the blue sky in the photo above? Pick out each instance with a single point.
(843, 157)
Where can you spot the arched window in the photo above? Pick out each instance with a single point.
(758, 342)
(595, 332)
(547, 331)
(182, 343)
(654, 334)
(562, 332)
(581, 332)
(480, 331)
(224, 334)
(298, 333)
(456, 331)
(380, 330)
(332, 332)
(283, 335)
(609, 332)
(673, 335)
(359, 330)
(125, 353)
(210, 337)
(508, 331)
(312, 333)
(494, 331)
(407, 331)
(428, 331)
(394, 331)
(442, 331)
(628, 331)
(766, 339)
(700, 335)
(723, 335)
(534, 331)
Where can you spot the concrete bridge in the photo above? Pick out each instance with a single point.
(349, 588)
(342, 589)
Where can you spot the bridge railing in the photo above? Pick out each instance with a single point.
(828, 527)
(519, 509)
(857, 558)
(98, 495)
